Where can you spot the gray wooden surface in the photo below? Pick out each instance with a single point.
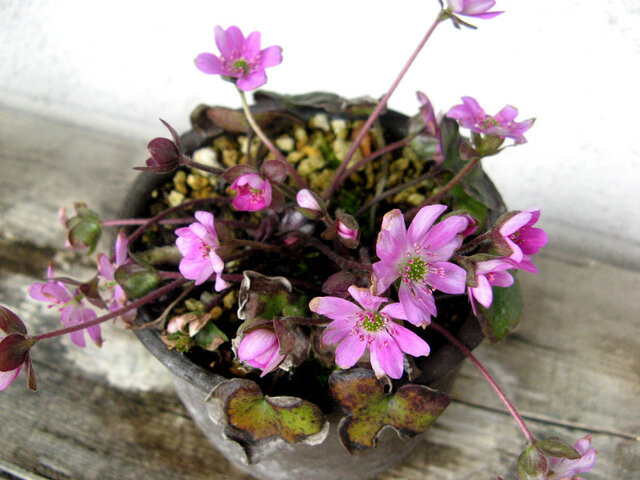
(572, 367)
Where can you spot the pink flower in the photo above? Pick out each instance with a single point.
(488, 274)
(419, 257)
(471, 115)
(254, 192)
(240, 58)
(473, 8)
(71, 307)
(107, 270)
(260, 349)
(356, 329)
(198, 244)
(565, 469)
(521, 237)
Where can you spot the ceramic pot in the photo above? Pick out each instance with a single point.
(328, 460)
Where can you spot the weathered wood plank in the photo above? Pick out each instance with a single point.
(112, 414)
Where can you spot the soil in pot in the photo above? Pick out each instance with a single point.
(314, 132)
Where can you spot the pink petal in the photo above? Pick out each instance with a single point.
(255, 343)
(349, 351)
(271, 56)
(447, 277)
(483, 292)
(423, 221)
(334, 308)
(506, 115)
(442, 233)
(416, 309)
(388, 354)
(252, 45)
(515, 223)
(122, 243)
(385, 275)
(363, 297)
(205, 218)
(210, 64)
(252, 81)
(6, 378)
(392, 243)
(335, 332)
(409, 342)
(394, 310)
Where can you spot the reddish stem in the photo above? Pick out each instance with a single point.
(381, 105)
(116, 313)
(512, 410)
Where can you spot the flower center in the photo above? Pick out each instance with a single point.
(414, 270)
(241, 65)
(205, 249)
(490, 122)
(372, 321)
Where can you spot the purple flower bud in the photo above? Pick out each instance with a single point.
(260, 349)
(165, 154)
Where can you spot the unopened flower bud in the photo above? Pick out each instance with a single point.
(260, 349)
(83, 230)
(136, 280)
(310, 204)
(165, 154)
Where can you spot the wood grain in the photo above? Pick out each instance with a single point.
(572, 366)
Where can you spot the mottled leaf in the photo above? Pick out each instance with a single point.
(10, 322)
(262, 424)
(136, 280)
(409, 411)
(504, 313)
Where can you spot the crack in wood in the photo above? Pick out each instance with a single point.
(550, 421)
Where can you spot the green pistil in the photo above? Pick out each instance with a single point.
(415, 269)
(241, 65)
(490, 122)
(372, 321)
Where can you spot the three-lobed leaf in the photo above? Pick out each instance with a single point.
(260, 424)
(409, 411)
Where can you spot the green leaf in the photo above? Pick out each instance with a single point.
(504, 314)
(410, 411)
(554, 447)
(262, 424)
(136, 280)
(463, 201)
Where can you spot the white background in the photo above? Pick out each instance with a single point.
(120, 65)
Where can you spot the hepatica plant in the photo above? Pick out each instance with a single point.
(316, 245)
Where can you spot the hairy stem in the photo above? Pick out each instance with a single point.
(381, 105)
(272, 148)
(116, 313)
(512, 410)
(441, 193)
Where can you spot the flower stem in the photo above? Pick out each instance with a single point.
(512, 410)
(116, 313)
(157, 218)
(342, 262)
(381, 105)
(141, 221)
(441, 193)
(199, 166)
(258, 245)
(389, 148)
(272, 148)
(393, 191)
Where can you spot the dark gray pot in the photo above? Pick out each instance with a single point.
(328, 460)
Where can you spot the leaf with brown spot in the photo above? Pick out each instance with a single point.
(262, 424)
(410, 411)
